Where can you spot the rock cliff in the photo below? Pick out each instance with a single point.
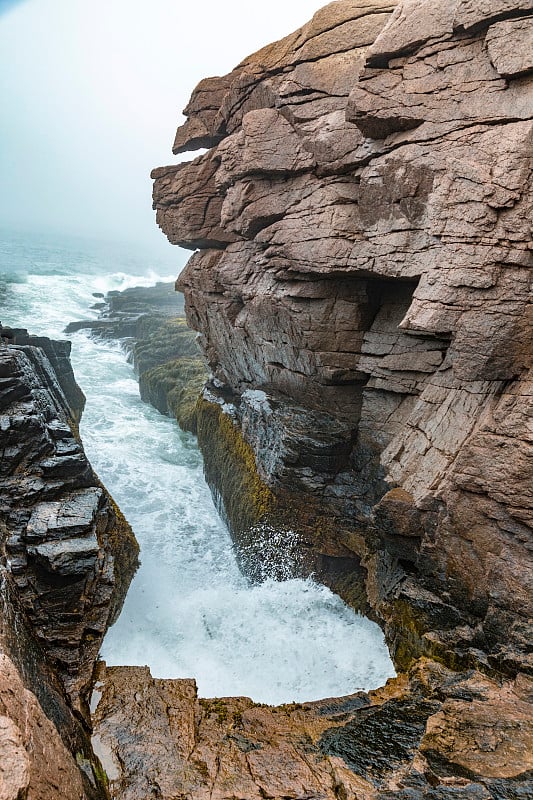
(66, 559)
(362, 289)
(363, 232)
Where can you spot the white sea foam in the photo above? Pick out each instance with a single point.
(121, 280)
(189, 611)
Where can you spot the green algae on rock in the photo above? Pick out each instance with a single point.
(278, 532)
(150, 322)
(230, 466)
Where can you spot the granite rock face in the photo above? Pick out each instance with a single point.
(34, 759)
(362, 222)
(362, 289)
(67, 557)
(430, 735)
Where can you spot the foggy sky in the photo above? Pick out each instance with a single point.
(91, 93)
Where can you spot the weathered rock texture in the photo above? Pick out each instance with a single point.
(66, 559)
(430, 736)
(361, 285)
(45, 750)
(364, 224)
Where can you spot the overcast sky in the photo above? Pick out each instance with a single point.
(91, 93)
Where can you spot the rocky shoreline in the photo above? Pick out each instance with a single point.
(432, 735)
(150, 324)
(361, 291)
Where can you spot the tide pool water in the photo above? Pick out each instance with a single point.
(189, 611)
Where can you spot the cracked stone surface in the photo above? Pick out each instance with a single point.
(407, 737)
(34, 762)
(362, 226)
(66, 559)
(64, 541)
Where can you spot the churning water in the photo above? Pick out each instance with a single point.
(189, 611)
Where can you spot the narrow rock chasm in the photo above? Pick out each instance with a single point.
(361, 286)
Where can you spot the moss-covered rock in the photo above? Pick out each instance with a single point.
(161, 340)
(230, 469)
(277, 533)
(174, 387)
(171, 370)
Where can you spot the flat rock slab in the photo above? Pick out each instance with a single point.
(513, 61)
(64, 518)
(68, 557)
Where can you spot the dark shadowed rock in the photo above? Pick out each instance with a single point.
(67, 557)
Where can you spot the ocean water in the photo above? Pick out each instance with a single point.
(189, 611)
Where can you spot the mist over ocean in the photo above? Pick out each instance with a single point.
(189, 611)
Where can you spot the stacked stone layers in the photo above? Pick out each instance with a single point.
(66, 559)
(363, 226)
(62, 533)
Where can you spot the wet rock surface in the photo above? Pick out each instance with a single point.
(150, 323)
(45, 751)
(34, 760)
(361, 287)
(67, 556)
(430, 735)
(69, 551)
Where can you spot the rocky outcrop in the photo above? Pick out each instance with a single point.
(362, 290)
(66, 559)
(131, 313)
(150, 323)
(363, 220)
(429, 736)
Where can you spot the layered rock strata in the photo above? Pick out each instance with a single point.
(363, 226)
(362, 290)
(431, 736)
(67, 556)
